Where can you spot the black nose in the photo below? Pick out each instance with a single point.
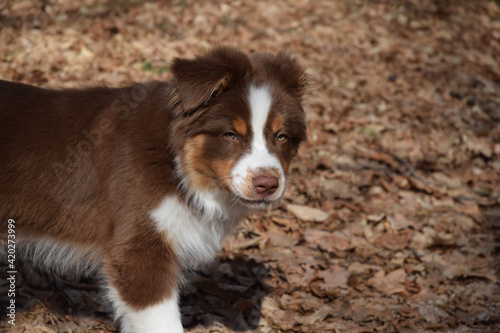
(265, 185)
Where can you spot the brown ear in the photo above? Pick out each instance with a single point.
(285, 70)
(203, 78)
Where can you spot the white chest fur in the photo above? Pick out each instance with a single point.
(197, 234)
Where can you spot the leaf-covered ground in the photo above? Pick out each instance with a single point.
(401, 168)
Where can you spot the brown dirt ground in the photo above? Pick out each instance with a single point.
(402, 164)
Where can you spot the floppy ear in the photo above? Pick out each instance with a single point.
(285, 70)
(203, 78)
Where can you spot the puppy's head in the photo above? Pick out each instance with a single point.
(239, 122)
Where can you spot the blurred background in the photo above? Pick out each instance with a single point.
(392, 220)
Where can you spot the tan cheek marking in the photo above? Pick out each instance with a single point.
(223, 171)
(192, 149)
(204, 174)
(240, 126)
(285, 166)
(193, 165)
(277, 124)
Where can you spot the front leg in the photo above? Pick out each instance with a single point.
(161, 317)
(142, 272)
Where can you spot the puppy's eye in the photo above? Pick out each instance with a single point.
(231, 136)
(281, 138)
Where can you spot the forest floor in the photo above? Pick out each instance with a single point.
(392, 222)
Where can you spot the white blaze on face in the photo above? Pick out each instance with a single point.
(258, 159)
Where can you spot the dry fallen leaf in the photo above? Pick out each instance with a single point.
(402, 159)
(391, 283)
(464, 271)
(307, 213)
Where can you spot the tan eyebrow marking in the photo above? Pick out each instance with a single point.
(277, 124)
(240, 126)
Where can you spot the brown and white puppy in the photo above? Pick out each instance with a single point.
(145, 181)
